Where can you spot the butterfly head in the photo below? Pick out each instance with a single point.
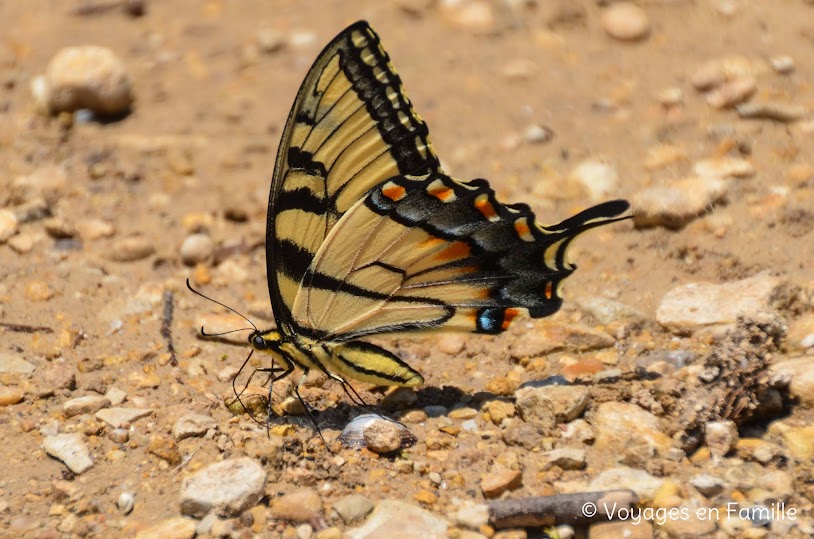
(266, 340)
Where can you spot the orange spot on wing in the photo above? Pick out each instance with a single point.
(483, 205)
(442, 192)
(508, 316)
(432, 241)
(456, 250)
(522, 228)
(393, 192)
(549, 290)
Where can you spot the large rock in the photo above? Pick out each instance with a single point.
(228, 488)
(801, 373)
(619, 425)
(697, 305)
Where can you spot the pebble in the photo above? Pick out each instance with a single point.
(120, 417)
(708, 485)
(715, 72)
(598, 179)
(59, 228)
(302, 505)
(496, 482)
(399, 398)
(664, 155)
(694, 524)
(131, 249)
(116, 396)
(538, 134)
(625, 21)
(22, 243)
(801, 372)
(10, 395)
(70, 449)
(606, 310)
(732, 93)
(578, 431)
(94, 229)
(619, 424)
(329, 533)
(499, 410)
(675, 205)
(782, 64)
(41, 189)
(8, 225)
(771, 110)
(173, 528)
(548, 405)
(38, 291)
(197, 248)
(696, 305)
(192, 425)
(269, 40)
(721, 437)
(476, 16)
(724, 167)
(126, 502)
(383, 436)
(164, 448)
(84, 77)
(565, 458)
(779, 484)
(14, 364)
(472, 515)
(85, 405)
(451, 343)
(226, 488)
(798, 440)
(401, 518)
(550, 336)
(642, 483)
(353, 507)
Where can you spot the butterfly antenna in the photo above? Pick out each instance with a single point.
(225, 307)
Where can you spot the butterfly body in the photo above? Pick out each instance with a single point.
(366, 234)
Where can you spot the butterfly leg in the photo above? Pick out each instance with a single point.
(307, 410)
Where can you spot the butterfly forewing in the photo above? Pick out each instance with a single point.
(351, 128)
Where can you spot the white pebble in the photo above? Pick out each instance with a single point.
(8, 225)
(196, 248)
(626, 22)
(782, 63)
(85, 77)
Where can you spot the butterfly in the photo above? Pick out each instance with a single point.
(367, 235)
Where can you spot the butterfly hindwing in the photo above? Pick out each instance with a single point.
(351, 127)
(427, 252)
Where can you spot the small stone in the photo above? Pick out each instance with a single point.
(426, 497)
(675, 205)
(174, 528)
(8, 225)
(664, 155)
(800, 372)
(724, 167)
(10, 395)
(768, 110)
(463, 413)
(565, 458)
(551, 336)
(472, 515)
(721, 437)
(548, 405)
(14, 364)
(782, 63)
(165, 449)
(302, 505)
(496, 482)
(353, 507)
(383, 436)
(38, 291)
(499, 410)
(708, 485)
(38, 191)
(119, 417)
(598, 178)
(622, 425)
(473, 15)
(643, 484)
(94, 229)
(227, 488)
(131, 249)
(58, 228)
(85, 405)
(116, 396)
(625, 21)
(799, 440)
(197, 248)
(269, 40)
(538, 134)
(606, 310)
(732, 93)
(399, 398)
(578, 431)
(403, 519)
(126, 502)
(22, 243)
(192, 425)
(329, 533)
(671, 97)
(85, 77)
(695, 305)
(451, 343)
(70, 449)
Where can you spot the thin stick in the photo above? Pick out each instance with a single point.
(577, 508)
(166, 326)
(23, 328)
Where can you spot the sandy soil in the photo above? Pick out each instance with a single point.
(199, 147)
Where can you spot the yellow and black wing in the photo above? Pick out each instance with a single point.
(350, 129)
(426, 252)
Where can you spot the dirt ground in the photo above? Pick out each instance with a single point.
(197, 153)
